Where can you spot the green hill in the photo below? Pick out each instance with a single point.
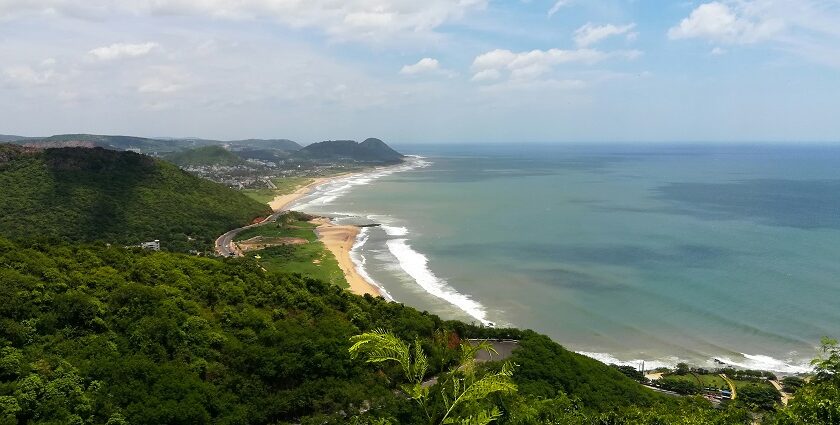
(207, 155)
(284, 145)
(92, 334)
(371, 150)
(78, 194)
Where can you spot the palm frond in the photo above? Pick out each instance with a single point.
(380, 346)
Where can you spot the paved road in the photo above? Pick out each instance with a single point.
(224, 242)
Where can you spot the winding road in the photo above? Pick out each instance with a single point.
(224, 243)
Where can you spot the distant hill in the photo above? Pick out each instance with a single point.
(207, 155)
(371, 150)
(108, 142)
(145, 144)
(8, 138)
(76, 194)
(274, 144)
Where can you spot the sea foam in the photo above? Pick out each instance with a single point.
(359, 262)
(749, 361)
(415, 265)
(329, 191)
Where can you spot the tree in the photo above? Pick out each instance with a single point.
(763, 397)
(631, 372)
(792, 383)
(818, 401)
(679, 386)
(461, 396)
(827, 365)
(682, 369)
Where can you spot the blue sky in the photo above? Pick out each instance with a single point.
(433, 71)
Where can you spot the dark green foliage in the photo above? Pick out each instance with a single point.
(166, 338)
(96, 334)
(761, 397)
(206, 156)
(77, 194)
(792, 383)
(545, 369)
(679, 386)
(630, 372)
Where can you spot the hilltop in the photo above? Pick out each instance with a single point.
(207, 155)
(284, 145)
(80, 194)
(371, 150)
(145, 144)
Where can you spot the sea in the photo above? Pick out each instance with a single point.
(629, 253)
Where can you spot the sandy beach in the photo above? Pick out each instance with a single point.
(282, 201)
(339, 240)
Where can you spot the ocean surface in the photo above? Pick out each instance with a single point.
(624, 253)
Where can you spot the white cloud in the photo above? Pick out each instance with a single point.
(426, 66)
(559, 4)
(805, 28)
(486, 75)
(23, 75)
(590, 34)
(717, 21)
(717, 51)
(369, 20)
(122, 50)
(536, 63)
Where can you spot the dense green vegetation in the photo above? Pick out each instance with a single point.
(92, 334)
(124, 198)
(205, 156)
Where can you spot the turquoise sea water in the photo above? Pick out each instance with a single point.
(657, 253)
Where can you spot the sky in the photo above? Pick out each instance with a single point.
(430, 71)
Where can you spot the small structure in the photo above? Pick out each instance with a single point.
(153, 245)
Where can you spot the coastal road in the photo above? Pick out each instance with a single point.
(225, 242)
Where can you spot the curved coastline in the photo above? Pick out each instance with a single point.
(346, 242)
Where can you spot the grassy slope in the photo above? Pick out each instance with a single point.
(75, 194)
(311, 259)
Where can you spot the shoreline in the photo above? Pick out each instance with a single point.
(338, 239)
(280, 202)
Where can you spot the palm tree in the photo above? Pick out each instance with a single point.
(460, 397)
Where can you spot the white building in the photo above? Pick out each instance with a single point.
(153, 245)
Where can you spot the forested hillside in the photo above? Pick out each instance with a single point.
(207, 155)
(78, 194)
(90, 334)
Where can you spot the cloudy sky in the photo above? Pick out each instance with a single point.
(424, 71)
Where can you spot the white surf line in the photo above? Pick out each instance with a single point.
(359, 262)
(415, 265)
(751, 361)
